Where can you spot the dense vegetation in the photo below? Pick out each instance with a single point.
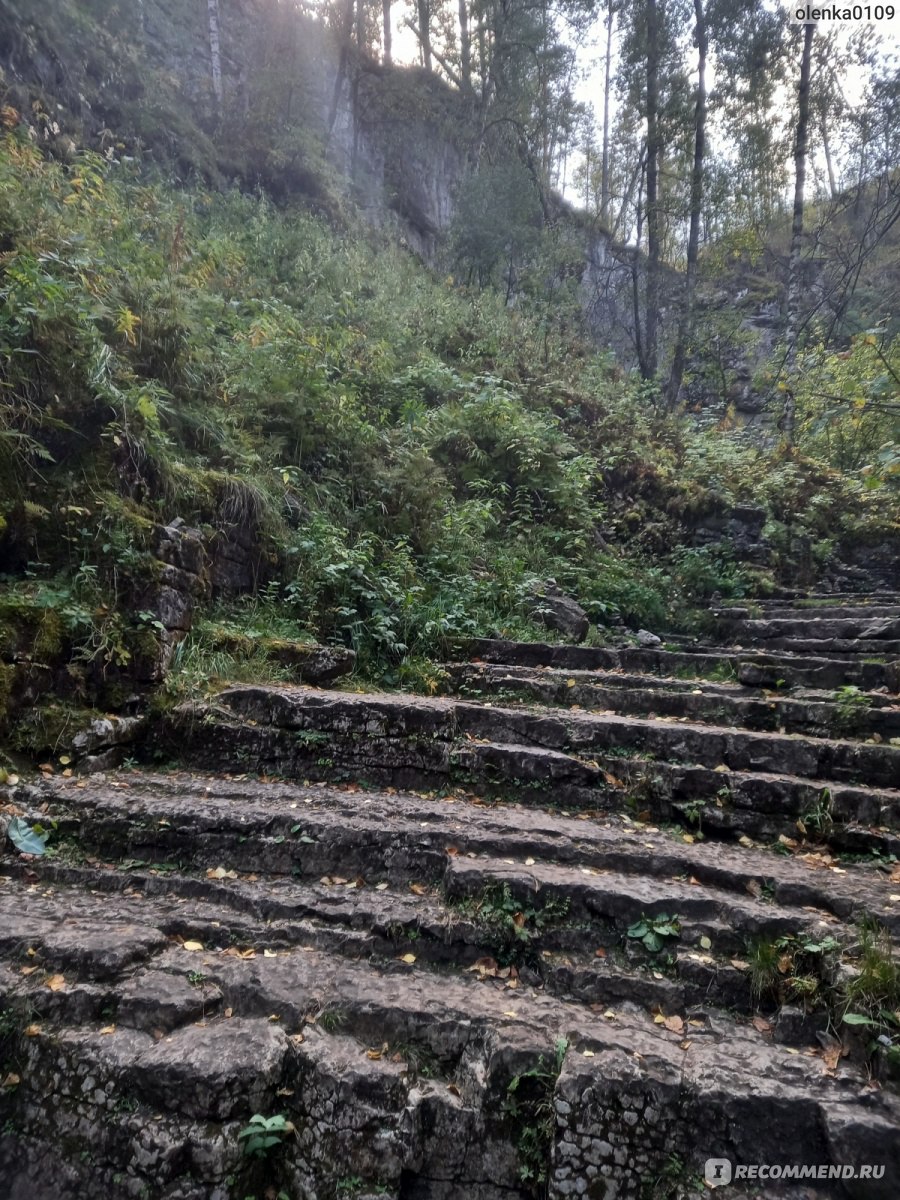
(410, 452)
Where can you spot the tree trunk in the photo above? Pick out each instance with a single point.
(651, 321)
(607, 79)
(386, 35)
(345, 33)
(792, 329)
(215, 51)
(465, 46)
(686, 324)
(424, 10)
(829, 161)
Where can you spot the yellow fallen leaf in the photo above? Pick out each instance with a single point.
(418, 889)
(32, 1030)
(705, 942)
(687, 837)
(373, 1054)
(270, 953)
(408, 958)
(57, 983)
(587, 1053)
(108, 1029)
(510, 1013)
(192, 945)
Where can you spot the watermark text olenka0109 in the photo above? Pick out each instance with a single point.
(720, 1171)
(842, 13)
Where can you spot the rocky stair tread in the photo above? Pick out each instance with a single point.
(381, 714)
(603, 762)
(261, 1051)
(813, 712)
(407, 837)
(693, 660)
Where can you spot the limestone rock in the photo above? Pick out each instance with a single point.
(553, 608)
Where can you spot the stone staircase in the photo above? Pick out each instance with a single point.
(587, 919)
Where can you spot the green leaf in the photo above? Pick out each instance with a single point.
(858, 1019)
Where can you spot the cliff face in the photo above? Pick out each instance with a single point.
(296, 115)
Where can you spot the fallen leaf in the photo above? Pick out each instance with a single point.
(270, 953)
(57, 983)
(706, 942)
(192, 945)
(108, 1029)
(587, 1053)
(11, 1080)
(381, 887)
(408, 958)
(761, 1025)
(32, 1030)
(418, 889)
(373, 1054)
(674, 1024)
(600, 952)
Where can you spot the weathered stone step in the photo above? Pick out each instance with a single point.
(588, 959)
(394, 1075)
(358, 723)
(877, 630)
(803, 600)
(308, 831)
(765, 805)
(806, 612)
(563, 760)
(815, 713)
(696, 662)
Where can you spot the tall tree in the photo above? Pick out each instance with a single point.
(792, 329)
(465, 46)
(386, 31)
(686, 324)
(607, 81)
(650, 355)
(215, 51)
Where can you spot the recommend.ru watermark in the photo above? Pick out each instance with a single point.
(720, 1171)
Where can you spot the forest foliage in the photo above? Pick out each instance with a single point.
(410, 452)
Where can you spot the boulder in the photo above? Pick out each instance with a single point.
(553, 608)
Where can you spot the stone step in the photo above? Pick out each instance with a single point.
(812, 712)
(764, 805)
(563, 760)
(357, 726)
(865, 628)
(805, 612)
(694, 662)
(394, 1073)
(294, 830)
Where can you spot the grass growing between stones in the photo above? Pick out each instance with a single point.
(529, 1107)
